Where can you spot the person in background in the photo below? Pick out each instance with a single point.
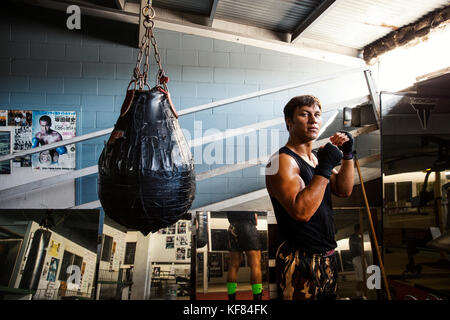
(243, 237)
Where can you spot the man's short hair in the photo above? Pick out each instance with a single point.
(46, 119)
(297, 102)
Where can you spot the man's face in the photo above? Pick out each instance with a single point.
(45, 127)
(306, 122)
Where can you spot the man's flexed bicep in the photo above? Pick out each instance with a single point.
(299, 200)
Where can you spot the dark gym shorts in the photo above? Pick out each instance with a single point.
(243, 236)
(305, 276)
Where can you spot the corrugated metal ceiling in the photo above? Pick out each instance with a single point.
(282, 16)
(348, 23)
(356, 23)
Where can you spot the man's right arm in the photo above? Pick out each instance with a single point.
(36, 140)
(300, 201)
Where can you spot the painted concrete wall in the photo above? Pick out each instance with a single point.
(47, 67)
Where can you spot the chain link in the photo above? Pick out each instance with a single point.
(141, 77)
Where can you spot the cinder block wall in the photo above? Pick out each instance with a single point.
(44, 66)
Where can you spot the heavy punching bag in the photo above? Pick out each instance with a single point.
(146, 170)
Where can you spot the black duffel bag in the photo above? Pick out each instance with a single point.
(146, 170)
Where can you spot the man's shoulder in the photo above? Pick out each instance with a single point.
(55, 134)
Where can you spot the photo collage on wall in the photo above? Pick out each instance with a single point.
(31, 129)
(178, 238)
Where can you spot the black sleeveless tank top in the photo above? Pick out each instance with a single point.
(316, 235)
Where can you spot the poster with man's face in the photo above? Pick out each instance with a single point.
(51, 127)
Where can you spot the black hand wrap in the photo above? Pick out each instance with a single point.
(329, 157)
(347, 147)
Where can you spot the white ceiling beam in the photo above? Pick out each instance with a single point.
(274, 45)
(312, 18)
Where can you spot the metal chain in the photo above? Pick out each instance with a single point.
(160, 76)
(141, 77)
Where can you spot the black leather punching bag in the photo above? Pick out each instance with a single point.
(146, 170)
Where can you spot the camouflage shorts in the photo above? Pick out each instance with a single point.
(302, 276)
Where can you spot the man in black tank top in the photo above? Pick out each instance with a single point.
(300, 182)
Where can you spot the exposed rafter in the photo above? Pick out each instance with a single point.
(311, 19)
(212, 13)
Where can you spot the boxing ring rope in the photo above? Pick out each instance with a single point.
(198, 108)
(39, 184)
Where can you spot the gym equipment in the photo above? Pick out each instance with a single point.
(146, 170)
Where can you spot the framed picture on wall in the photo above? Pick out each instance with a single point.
(182, 241)
(170, 244)
(181, 227)
(171, 229)
(181, 253)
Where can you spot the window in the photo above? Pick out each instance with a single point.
(404, 191)
(107, 248)
(130, 251)
(69, 259)
(389, 192)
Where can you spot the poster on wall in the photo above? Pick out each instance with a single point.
(53, 269)
(22, 141)
(50, 127)
(3, 118)
(5, 141)
(182, 241)
(181, 227)
(54, 248)
(171, 229)
(181, 254)
(20, 118)
(170, 244)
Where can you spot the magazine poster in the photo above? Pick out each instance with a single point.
(22, 141)
(51, 127)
